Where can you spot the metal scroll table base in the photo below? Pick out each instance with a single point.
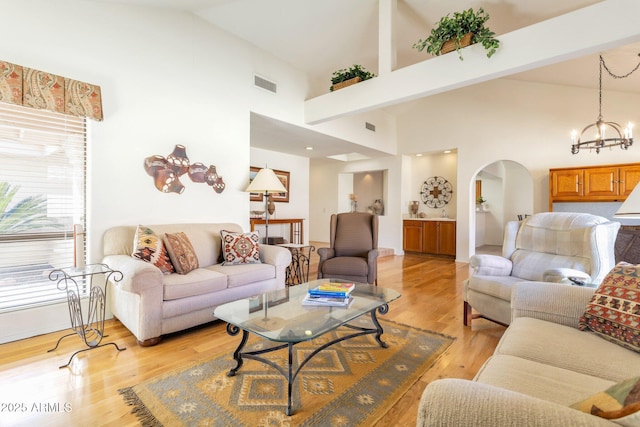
(90, 331)
(290, 374)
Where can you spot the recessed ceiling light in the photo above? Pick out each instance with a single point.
(419, 155)
(309, 148)
(447, 151)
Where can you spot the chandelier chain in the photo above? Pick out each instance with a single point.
(615, 76)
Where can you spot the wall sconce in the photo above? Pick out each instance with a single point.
(166, 172)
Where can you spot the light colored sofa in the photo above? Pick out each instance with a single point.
(541, 366)
(151, 304)
(548, 247)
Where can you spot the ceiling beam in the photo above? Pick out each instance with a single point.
(599, 27)
(387, 55)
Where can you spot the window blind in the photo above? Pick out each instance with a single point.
(42, 196)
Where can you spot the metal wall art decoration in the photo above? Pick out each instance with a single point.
(436, 192)
(166, 172)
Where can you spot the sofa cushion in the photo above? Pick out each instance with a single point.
(620, 403)
(197, 282)
(345, 266)
(614, 310)
(240, 248)
(551, 344)
(547, 382)
(148, 246)
(181, 252)
(244, 274)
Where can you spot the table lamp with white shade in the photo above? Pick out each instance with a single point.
(266, 182)
(631, 207)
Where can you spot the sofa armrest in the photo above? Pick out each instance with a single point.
(553, 302)
(490, 265)
(137, 275)
(326, 253)
(275, 255)
(558, 275)
(459, 403)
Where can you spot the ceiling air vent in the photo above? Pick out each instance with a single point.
(265, 84)
(370, 126)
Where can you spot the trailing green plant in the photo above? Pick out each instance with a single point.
(480, 200)
(27, 214)
(350, 73)
(455, 27)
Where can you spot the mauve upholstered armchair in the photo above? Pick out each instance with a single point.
(353, 251)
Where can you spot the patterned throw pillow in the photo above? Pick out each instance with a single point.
(240, 248)
(619, 400)
(181, 252)
(614, 310)
(148, 247)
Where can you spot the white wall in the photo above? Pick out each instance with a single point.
(323, 181)
(509, 120)
(167, 78)
(430, 165)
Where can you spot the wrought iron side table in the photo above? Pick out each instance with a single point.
(73, 280)
(298, 270)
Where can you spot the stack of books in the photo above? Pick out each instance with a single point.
(332, 294)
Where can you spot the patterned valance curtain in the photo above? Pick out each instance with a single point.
(38, 89)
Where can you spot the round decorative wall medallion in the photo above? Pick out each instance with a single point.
(436, 192)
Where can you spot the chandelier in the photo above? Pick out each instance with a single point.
(607, 134)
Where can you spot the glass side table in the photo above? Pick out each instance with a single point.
(92, 278)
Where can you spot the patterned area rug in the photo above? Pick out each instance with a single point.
(352, 383)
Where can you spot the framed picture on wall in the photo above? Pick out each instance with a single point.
(283, 176)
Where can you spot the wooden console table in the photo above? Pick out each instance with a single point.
(296, 230)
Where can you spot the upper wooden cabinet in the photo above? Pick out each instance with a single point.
(609, 183)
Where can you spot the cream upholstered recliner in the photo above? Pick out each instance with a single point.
(353, 254)
(545, 247)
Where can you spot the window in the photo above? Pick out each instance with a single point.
(42, 196)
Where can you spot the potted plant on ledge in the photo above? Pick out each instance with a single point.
(460, 30)
(346, 77)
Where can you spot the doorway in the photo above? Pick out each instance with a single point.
(507, 190)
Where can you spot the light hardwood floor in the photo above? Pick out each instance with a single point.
(431, 299)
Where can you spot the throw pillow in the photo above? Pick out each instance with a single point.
(240, 248)
(614, 309)
(181, 252)
(619, 400)
(148, 247)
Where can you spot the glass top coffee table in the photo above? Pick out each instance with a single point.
(279, 316)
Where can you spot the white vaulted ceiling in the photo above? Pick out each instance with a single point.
(320, 36)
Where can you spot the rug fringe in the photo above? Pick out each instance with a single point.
(143, 414)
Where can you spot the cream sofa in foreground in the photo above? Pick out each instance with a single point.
(151, 304)
(542, 365)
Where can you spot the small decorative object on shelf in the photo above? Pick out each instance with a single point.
(347, 77)
(413, 208)
(378, 207)
(460, 30)
(354, 202)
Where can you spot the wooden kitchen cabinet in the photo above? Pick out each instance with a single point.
(610, 183)
(412, 236)
(629, 178)
(433, 237)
